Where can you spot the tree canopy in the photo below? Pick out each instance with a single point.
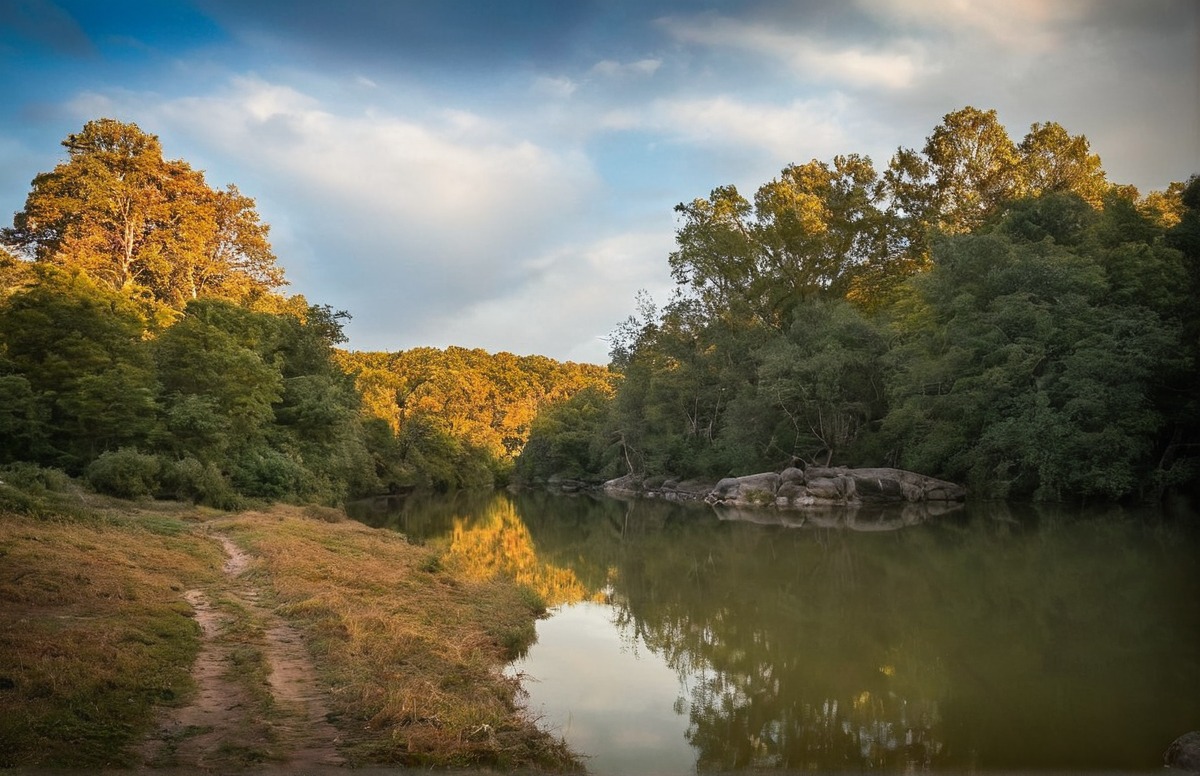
(134, 221)
(143, 346)
(984, 310)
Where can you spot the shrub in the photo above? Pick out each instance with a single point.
(190, 480)
(33, 478)
(267, 473)
(125, 473)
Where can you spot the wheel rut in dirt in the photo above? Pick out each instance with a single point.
(258, 700)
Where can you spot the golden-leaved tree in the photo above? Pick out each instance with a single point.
(137, 222)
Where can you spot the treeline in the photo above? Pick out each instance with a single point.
(459, 417)
(145, 346)
(991, 312)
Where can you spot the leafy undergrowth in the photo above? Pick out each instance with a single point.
(93, 631)
(413, 652)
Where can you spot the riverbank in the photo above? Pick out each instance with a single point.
(326, 642)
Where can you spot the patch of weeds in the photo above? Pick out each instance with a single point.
(533, 599)
(102, 639)
(243, 755)
(432, 563)
(413, 642)
(326, 514)
(760, 498)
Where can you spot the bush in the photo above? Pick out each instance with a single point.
(125, 473)
(269, 474)
(35, 479)
(190, 480)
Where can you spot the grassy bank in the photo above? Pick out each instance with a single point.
(96, 637)
(412, 651)
(93, 631)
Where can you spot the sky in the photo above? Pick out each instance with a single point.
(503, 175)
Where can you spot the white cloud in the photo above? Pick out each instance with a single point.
(612, 68)
(803, 128)
(897, 65)
(454, 176)
(559, 87)
(576, 297)
(1031, 25)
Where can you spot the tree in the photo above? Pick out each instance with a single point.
(821, 225)
(1054, 161)
(219, 391)
(134, 221)
(75, 350)
(974, 167)
(1022, 373)
(825, 382)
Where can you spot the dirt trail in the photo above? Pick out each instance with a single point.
(238, 718)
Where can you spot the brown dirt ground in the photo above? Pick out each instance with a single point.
(239, 719)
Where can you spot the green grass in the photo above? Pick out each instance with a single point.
(95, 636)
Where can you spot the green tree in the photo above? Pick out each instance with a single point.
(219, 391)
(1016, 375)
(824, 382)
(975, 169)
(75, 350)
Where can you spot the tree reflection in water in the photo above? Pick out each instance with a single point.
(991, 639)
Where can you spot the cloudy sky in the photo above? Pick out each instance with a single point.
(501, 173)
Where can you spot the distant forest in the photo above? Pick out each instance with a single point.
(146, 347)
(987, 311)
(992, 312)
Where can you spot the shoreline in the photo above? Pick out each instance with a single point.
(407, 653)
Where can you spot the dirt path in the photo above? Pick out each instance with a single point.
(258, 701)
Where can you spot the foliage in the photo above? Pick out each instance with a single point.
(983, 310)
(563, 440)
(125, 473)
(461, 417)
(137, 222)
(1012, 342)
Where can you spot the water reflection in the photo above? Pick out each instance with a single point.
(993, 638)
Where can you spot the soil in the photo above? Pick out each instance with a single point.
(237, 719)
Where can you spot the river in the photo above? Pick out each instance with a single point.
(997, 638)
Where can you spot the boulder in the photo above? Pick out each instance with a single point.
(791, 475)
(751, 490)
(1184, 753)
(802, 489)
(824, 487)
(629, 485)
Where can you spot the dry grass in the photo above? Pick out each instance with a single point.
(413, 652)
(93, 632)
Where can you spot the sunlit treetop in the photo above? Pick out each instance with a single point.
(137, 222)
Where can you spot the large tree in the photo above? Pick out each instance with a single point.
(135, 221)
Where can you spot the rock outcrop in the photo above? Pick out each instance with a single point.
(1184, 753)
(811, 489)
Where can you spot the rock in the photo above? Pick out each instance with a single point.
(726, 489)
(789, 490)
(823, 487)
(1184, 753)
(629, 485)
(817, 487)
(751, 490)
(791, 475)
(878, 489)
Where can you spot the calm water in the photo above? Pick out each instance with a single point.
(996, 638)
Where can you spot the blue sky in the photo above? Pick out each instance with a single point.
(503, 174)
